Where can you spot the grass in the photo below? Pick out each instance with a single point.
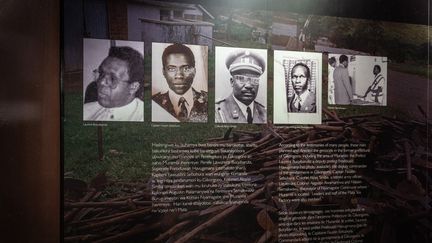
(126, 145)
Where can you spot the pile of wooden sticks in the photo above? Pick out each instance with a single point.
(398, 198)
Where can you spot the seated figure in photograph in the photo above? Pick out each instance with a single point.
(240, 106)
(303, 99)
(374, 93)
(118, 79)
(182, 101)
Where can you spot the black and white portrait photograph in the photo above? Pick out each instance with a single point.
(179, 83)
(297, 87)
(357, 80)
(113, 76)
(241, 85)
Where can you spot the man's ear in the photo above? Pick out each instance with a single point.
(231, 81)
(133, 87)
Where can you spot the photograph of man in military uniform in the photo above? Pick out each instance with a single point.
(179, 90)
(241, 85)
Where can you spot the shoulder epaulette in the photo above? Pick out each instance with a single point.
(220, 101)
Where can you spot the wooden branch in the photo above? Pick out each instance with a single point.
(216, 218)
(173, 230)
(139, 229)
(265, 237)
(408, 160)
(106, 204)
(329, 128)
(69, 215)
(331, 115)
(116, 219)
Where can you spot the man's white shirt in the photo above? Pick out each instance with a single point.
(244, 107)
(175, 100)
(301, 98)
(134, 111)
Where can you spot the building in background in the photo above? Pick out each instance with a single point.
(136, 20)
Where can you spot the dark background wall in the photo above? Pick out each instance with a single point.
(29, 121)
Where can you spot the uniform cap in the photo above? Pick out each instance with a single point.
(245, 60)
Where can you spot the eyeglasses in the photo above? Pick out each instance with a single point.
(183, 69)
(107, 79)
(244, 79)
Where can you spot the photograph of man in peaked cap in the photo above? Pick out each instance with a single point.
(241, 85)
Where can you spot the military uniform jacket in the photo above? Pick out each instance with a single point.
(199, 109)
(228, 111)
(308, 106)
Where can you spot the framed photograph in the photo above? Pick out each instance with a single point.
(179, 83)
(241, 85)
(357, 80)
(297, 87)
(113, 80)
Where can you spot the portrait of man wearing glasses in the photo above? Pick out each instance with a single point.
(246, 69)
(303, 100)
(181, 102)
(117, 82)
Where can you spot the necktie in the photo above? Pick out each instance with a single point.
(183, 110)
(297, 103)
(249, 115)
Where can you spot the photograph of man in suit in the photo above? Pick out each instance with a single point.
(118, 79)
(181, 101)
(342, 83)
(245, 68)
(303, 99)
(331, 68)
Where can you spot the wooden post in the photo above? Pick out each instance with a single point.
(195, 34)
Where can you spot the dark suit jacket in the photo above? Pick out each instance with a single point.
(228, 111)
(309, 104)
(199, 109)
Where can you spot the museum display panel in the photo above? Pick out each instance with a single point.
(243, 122)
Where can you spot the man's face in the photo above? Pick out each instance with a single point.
(114, 89)
(245, 86)
(375, 71)
(345, 63)
(299, 79)
(178, 73)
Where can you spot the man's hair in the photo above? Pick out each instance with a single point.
(300, 64)
(177, 48)
(343, 58)
(134, 59)
(378, 67)
(332, 60)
